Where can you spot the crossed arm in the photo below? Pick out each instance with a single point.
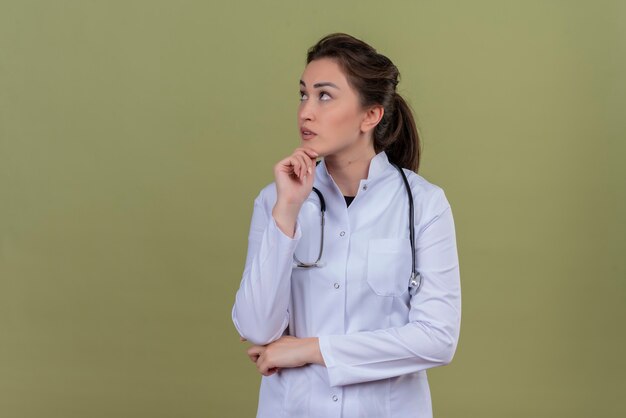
(428, 340)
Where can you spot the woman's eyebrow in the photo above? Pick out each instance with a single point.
(324, 83)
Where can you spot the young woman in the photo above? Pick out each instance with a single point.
(351, 286)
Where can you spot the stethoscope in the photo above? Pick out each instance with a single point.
(415, 280)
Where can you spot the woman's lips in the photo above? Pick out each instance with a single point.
(307, 135)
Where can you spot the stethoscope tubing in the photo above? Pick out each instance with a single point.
(415, 281)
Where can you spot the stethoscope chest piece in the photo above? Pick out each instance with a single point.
(415, 282)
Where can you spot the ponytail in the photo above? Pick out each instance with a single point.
(403, 137)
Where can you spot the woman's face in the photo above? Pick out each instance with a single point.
(330, 108)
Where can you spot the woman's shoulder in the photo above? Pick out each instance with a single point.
(267, 195)
(422, 186)
(429, 197)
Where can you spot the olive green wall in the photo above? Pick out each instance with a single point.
(134, 136)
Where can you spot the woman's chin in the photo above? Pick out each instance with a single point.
(306, 145)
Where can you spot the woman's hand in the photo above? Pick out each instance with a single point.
(294, 176)
(294, 182)
(287, 351)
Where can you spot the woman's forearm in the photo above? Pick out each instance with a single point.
(313, 347)
(260, 312)
(286, 216)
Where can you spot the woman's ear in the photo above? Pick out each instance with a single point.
(372, 117)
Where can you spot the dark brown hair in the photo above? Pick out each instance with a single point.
(375, 78)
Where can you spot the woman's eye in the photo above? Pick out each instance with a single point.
(324, 93)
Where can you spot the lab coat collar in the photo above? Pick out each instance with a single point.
(378, 164)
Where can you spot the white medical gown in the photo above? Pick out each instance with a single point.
(376, 339)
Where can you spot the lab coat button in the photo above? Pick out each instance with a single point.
(336, 285)
(335, 398)
(365, 187)
(342, 233)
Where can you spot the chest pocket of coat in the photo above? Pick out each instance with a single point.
(389, 265)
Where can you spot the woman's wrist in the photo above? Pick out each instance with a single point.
(314, 352)
(286, 216)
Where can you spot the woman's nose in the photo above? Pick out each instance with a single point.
(305, 112)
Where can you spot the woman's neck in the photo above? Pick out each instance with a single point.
(349, 168)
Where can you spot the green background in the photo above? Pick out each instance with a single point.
(134, 136)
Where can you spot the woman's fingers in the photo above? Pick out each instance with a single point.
(306, 158)
(303, 166)
(272, 371)
(288, 165)
(263, 367)
(296, 165)
(299, 163)
(309, 152)
(255, 349)
(255, 353)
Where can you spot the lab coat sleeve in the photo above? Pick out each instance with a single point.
(430, 337)
(260, 312)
